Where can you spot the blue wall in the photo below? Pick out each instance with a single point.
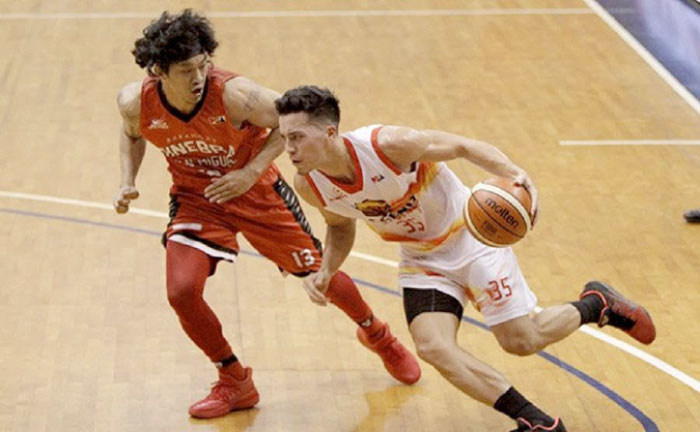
(669, 30)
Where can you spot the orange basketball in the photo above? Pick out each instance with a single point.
(498, 212)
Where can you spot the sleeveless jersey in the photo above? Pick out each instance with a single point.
(421, 208)
(203, 144)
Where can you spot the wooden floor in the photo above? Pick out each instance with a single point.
(89, 343)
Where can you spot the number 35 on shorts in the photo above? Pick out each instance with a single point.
(304, 258)
(499, 289)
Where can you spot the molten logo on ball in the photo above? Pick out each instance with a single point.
(502, 212)
(497, 212)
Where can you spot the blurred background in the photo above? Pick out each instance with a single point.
(598, 101)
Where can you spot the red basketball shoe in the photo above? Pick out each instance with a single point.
(622, 313)
(228, 394)
(399, 361)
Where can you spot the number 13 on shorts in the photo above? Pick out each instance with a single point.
(304, 258)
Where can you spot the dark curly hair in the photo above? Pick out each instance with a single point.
(174, 38)
(318, 103)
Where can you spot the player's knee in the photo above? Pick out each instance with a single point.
(432, 351)
(181, 293)
(520, 346)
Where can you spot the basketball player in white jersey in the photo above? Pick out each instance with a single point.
(394, 178)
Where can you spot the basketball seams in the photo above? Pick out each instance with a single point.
(475, 232)
(509, 198)
(505, 228)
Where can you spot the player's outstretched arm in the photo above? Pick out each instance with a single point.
(132, 146)
(245, 100)
(404, 146)
(340, 236)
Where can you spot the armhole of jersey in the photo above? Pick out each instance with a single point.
(225, 76)
(382, 156)
(142, 105)
(311, 183)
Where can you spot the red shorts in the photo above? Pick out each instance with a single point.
(268, 216)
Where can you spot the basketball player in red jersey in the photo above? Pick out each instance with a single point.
(212, 127)
(395, 180)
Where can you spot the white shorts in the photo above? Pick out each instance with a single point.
(489, 277)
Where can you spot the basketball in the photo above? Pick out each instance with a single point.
(497, 212)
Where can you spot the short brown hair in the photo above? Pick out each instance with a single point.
(318, 103)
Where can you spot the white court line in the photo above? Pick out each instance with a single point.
(630, 143)
(375, 259)
(644, 356)
(79, 203)
(310, 13)
(645, 55)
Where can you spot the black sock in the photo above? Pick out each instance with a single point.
(367, 322)
(590, 308)
(227, 361)
(514, 405)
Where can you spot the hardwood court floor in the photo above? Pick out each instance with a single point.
(89, 343)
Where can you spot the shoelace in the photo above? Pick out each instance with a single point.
(220, 390)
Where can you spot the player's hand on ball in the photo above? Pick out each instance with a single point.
(124, 196)
(524, 180)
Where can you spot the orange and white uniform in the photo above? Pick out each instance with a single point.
(423, 210)
(203, 145)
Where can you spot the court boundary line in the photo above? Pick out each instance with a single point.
(668, 142)
(303, 14)
(647, 423)
(656, 65)
(610, 340)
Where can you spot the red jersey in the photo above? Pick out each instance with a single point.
(203, 144)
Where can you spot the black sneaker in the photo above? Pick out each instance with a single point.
(525, 426)
(622, 313)
(692, 216)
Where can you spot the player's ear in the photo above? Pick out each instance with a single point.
(156, 71)
(331, 131)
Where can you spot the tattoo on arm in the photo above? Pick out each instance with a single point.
(252, 100)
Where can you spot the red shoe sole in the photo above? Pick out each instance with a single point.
(248, 402)
(643, 330)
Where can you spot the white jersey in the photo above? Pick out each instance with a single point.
(421, 208)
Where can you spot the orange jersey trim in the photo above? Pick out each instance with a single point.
(315, 190)
(358, 184)
(382, 156)
(427, 244)
(426, 175)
